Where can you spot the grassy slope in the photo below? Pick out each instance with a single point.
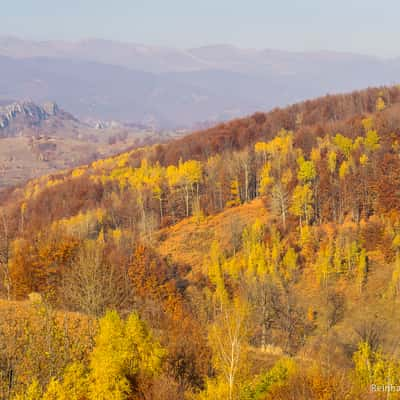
(190, 240)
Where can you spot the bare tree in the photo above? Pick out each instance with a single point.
(370, 330)
(92, 285)
(5, 243)
(229, 341)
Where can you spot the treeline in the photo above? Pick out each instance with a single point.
(309, 119)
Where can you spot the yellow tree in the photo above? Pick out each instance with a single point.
(141, 182)
(374, 367)
(394, 287)
(234, 193)
(5, 254)
(307, 171)
(156, 180)
(371, 141)
(307, 175)
(72, 386)
(332, 163)
(268, 269)
(254, 251)
(362, 270)
(344, 144)
(228, 339)
(275, 176)
(33, 392)
(191, 175)
(123, 349)
(323, 265)
(302, 201)
(289, 264)
(256, 263)
(215, 266)
(262, 148)
(186, 178)
(266, 179)
(380, 104)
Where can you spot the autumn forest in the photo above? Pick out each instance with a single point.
(255, 260)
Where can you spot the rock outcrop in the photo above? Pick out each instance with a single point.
(20, 116)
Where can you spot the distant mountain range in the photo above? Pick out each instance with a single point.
(170, 88)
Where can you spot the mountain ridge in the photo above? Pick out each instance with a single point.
(20, 115)
(174, 88)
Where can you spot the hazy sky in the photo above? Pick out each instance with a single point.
(363, 26)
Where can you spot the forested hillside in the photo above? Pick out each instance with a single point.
(256, 260)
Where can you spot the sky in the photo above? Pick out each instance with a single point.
(358, 26)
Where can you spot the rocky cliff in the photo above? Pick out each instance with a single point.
(21, 118)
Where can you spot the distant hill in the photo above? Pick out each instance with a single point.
(41, 139)
(172, 88)
(17, 117)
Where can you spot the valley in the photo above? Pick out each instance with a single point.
(40, 140)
